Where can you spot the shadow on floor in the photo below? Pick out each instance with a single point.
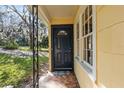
(58, 79)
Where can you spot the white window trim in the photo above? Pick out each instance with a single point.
(84, 64)
(94, 42)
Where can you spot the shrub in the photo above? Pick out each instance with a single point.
(11, 45)
(1, 42)
(44, 43)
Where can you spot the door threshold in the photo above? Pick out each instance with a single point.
(63, 69)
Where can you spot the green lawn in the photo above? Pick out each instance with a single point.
(13, 70)
(26, 48)
(44, 49)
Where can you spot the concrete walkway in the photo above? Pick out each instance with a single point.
(20, 53)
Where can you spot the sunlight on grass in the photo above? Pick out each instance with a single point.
(14, 69)
(26, 48)
(44, 49)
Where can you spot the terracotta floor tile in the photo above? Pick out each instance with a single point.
(58, 79)
(67, 79)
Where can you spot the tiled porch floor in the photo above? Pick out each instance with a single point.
(59, 79)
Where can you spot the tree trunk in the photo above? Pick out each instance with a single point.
(30, 42)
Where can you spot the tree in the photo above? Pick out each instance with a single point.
(19, 20)
(26, 17)
(44, 43)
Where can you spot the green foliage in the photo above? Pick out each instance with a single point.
(11, 45)
(13, 70)
(24, 48)
(44, 43)
(22, 41)
(1, 42)
(43, 59)
(43, 49)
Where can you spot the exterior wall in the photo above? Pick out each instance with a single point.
(110, 45)
(51, 21)
(84, 79)
(110, 49)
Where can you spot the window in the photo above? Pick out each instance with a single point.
(62, 33)
(87, 35)
(78, 39)
(88, 40)
(83, 25)
(77, 30)
(86, 13)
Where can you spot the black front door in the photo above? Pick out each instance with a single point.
(62, 45)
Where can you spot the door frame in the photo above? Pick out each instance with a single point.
(52, 51)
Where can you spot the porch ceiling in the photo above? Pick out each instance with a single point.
(59, 14)
(59, 11)
(63, 11)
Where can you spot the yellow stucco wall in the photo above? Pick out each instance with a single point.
(85, 81)
(110, 45)
(52, 21)
(110, 49)
(83, 78)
